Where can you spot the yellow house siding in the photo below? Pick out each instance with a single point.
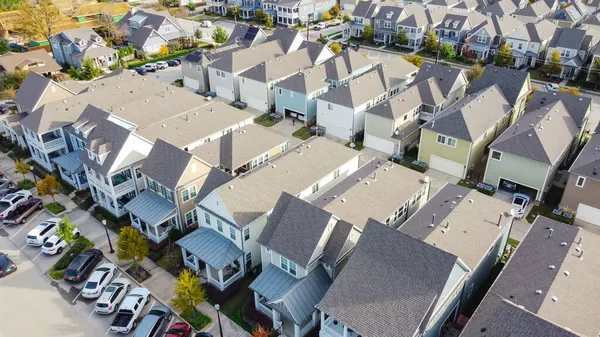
(429, 146)
(195, 174)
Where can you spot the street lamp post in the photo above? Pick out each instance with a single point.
(112, 251)
(217, 307)
(33, 174)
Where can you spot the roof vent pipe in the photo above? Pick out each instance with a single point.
(550, 231)
(500, 219)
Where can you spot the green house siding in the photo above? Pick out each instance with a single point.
(118, 18)
(429, 146)
(518, 169)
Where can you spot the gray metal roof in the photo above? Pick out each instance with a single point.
(273, 282)
(211, 247)
(389, 284)
(291, 216)
(70, 162)
(166, 163)
(447, 77)
(578, 106)
(151, 207)
(588, 161)
(510, 81)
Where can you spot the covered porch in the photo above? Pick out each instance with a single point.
(71, 169)
(213, 256)
(152, 215)
(247, 12)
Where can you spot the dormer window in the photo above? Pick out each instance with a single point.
(387, 24)
(455, 24)
(90, 154)
(447, 23)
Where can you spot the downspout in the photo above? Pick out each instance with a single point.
(468, 160)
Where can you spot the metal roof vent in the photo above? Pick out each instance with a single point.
(539, 292)
(122, 108)
(551, 266)
(444, 231)
(471, 201)
(343, 199)
(563, 244)
(385, 169)
(230, 187)
(273, 166)
(554, 299)
(367, 183)
(567, 273)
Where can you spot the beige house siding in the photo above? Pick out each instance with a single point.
(52, 96)
(194, 175)
(481, 144)
(589, 194)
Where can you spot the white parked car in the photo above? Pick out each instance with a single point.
(206, 24)
(150, 67)
(521, 201)
(56, 245)
(100, 278)
(319, 26)
(552, 86)
(162, 65)
(42, 232)
(129, 310)
(9, 203)
(112, 296)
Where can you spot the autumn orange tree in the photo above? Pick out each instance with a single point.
(259, 331)
(48, 186)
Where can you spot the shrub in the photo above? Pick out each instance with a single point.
(164, 50)
(55, 207)
(56, 274)
(86, 203)
(197, 319)
(26, 184)
(82, 244)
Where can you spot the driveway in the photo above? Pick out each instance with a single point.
(168, 75)
(191, 26)
(439, 180)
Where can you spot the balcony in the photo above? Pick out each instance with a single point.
(333, 328)
(54, 144)
(124, 187)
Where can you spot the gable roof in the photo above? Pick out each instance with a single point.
(357, 91)
(20, 61)
(447, 77)
(472, 116)
(534, 10)
(306, 81)
(345, 63)
(152, 20)
(588, 161)
(385, 11)
(286, 37)
(338, 243)
(365, 9)
(536, 32)
(214, 179)
(246, 58)
(577, 106)
(166, 163)
(510, 81)
(571, 38)
(392, 278)
(425, 92)
(500, 8)
(31, 91)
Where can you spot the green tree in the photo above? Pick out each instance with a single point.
(89, 70)
(188, 292)
(191, 6)
(504, 56)
(346, 18)
(594, 75)
(268, 21)
(198, 34)
(173, 46)
(131, 246)
(259, 15)
(431, 42)
(21, 167)
(368, 33)
(447, 51)
(219, 35)
(9, 5)
(299, 23)
(38, 18)
(401, 38)
(416, 60)
(335, 10)
(553, 66)
(475, 72)
(65, 230)
(48, 186)
(4, 48)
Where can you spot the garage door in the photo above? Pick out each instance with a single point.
(256, 103)
(588, 214)
(191, 83)
(336, 130)
(379, 144)
(447, 166)
(225, 93)
(293, 114)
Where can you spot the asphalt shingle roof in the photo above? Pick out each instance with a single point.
(31, 91)
(166, 163)
(577, 106)
(510, 81)
(588, 161)
(338, 240)
(447, 77)
(571, 38)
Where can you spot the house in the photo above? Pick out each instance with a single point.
(385, 23)
(257, 84)
(580, 192)
(95, 11)
(536, 12)
(290, 13)
(446, 4)
(484, 39)
(357, 198)
(456, 139)
(571, 15)
(363, 14)
(72, 47)
(234, 215)
(412, 19)
(574, 46)
(528, 43)
(515, 86)
(466, 6)
(296, 272)
(297, 95)
(527, 155)
(37, 61)
(342, 111)
(468, 224)
(555, 260)
(452, 28)
(38, 90)
(380, 281)
(13, 130)
(452, 83)
(346, 66)
(148, 30)
(393, 126)
(500, 8)
(194, 66)
(242, 150)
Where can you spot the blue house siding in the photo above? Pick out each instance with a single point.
(448, 314)
(290, 100)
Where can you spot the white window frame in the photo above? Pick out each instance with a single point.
(232, 234)
(437, 139)
(219, 225)
(207, 218)
(481, 39)
(582, 179)
(449, 139)
(193, 217)
(492, 155)
(246, 233)
(191, 193)
(387, 24)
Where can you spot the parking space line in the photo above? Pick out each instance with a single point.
(152, 305)
(26, 224)
(91, 313)
(107, 331)
(23, 247)
(75, 299)
(40, 253)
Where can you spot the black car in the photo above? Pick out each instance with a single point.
(6, 265)
(83, 265)
(173, 62)
(204, 334)
(141, 71)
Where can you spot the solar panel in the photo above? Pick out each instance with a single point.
(251, 33)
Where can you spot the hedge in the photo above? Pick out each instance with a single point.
(80, 245)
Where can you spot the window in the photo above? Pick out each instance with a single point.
(329, 106)
(169, 195)
(496, 155)
(406, 117)
(249, 259)
(207, 218)
(580, 181)
(441, 139)
(292, 268)
(188, 193)
(520, 46)
(151, 185)
(219, 225)
(138, 172)
(387, 24)
(231, 233)
(451, 142)
(246, 234)
(481, 39)
(315, 188)
(198, 68)
(279, 91)
(565, 53)
(284, 263)
(336, 174)
(191, 217)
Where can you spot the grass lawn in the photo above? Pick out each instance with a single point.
(233, 307)
(302, 133)
(467, 183)
(138, 63)
(200, 320)
(55, 207)
(408, 162)
(26, 184)
(536, 74)
(357, 145)
(546, 210)
(58, 270)
(512, 242)
(265, 120)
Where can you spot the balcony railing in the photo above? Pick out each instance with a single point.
(124, 187)
(54, 144)
(333, 328)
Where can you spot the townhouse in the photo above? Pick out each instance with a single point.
(342, 111)
(346, 66)
(537, 11)
(148, 30)
(364, 13)
(455, 140)
(297, 95)
(553, 270)
(484, 39)
(574, 46)
(571, 15)
(37, 61)
(290, 13)
(412, 19)
(452, 28)
(233, 215)
(71, 47)
(452, 83)
(528, 43)
(257, 84)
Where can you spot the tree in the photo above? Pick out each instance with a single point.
(88, 71)
(368, 33)
(198, 34)
(346, 18)
(48, 186)
(164, 50)
(173, 46)
(326, 16)
(570, 90)
(233, 12)
(553, 66)
(38, 20)
(299, 23)
(9, 5)
(336, 48)
(65, 230)
(431, 42)
(594, 75)
(131, 246)
(335, 10)
(115, 34)
(191, 6)
(401, 38)
(447, 51)
(188, 292)
(261, 332)
(219, 35)
(467, 51)
(268, 21)
(21, 167)
(259, 15)
(475, 72)
(504, 56)
(414, 59)
(4, 48)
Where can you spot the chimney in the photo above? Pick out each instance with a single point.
(500, 219)
(550, 230)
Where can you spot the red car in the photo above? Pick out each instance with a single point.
(179, 329)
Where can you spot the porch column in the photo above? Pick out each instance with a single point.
(276, 319)
(208, 273)
(256, 300)
(156, 232)
(77, 182)
(345, 334)
(296, 330)
(221, 279)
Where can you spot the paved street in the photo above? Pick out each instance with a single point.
(191, 26)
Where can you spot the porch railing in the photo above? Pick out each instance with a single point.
(233, 278)
(54, 144)
(124, 187)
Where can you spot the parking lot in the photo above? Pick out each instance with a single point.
(58, 299)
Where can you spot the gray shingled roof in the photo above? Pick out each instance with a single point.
(425, 92)
(391, 278)
(343, 64)
(588, 161)
(166, 163)
(446, 76)
(334, 249)
(364, 9)
(214, 179)
(291, 216)
(577, 106)
(571, 38)
(510, 81)
(357, 91)
(31, 91)
(382, 15)
(211, 247)
(150, 207)
(500, 8)
(307, 81)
